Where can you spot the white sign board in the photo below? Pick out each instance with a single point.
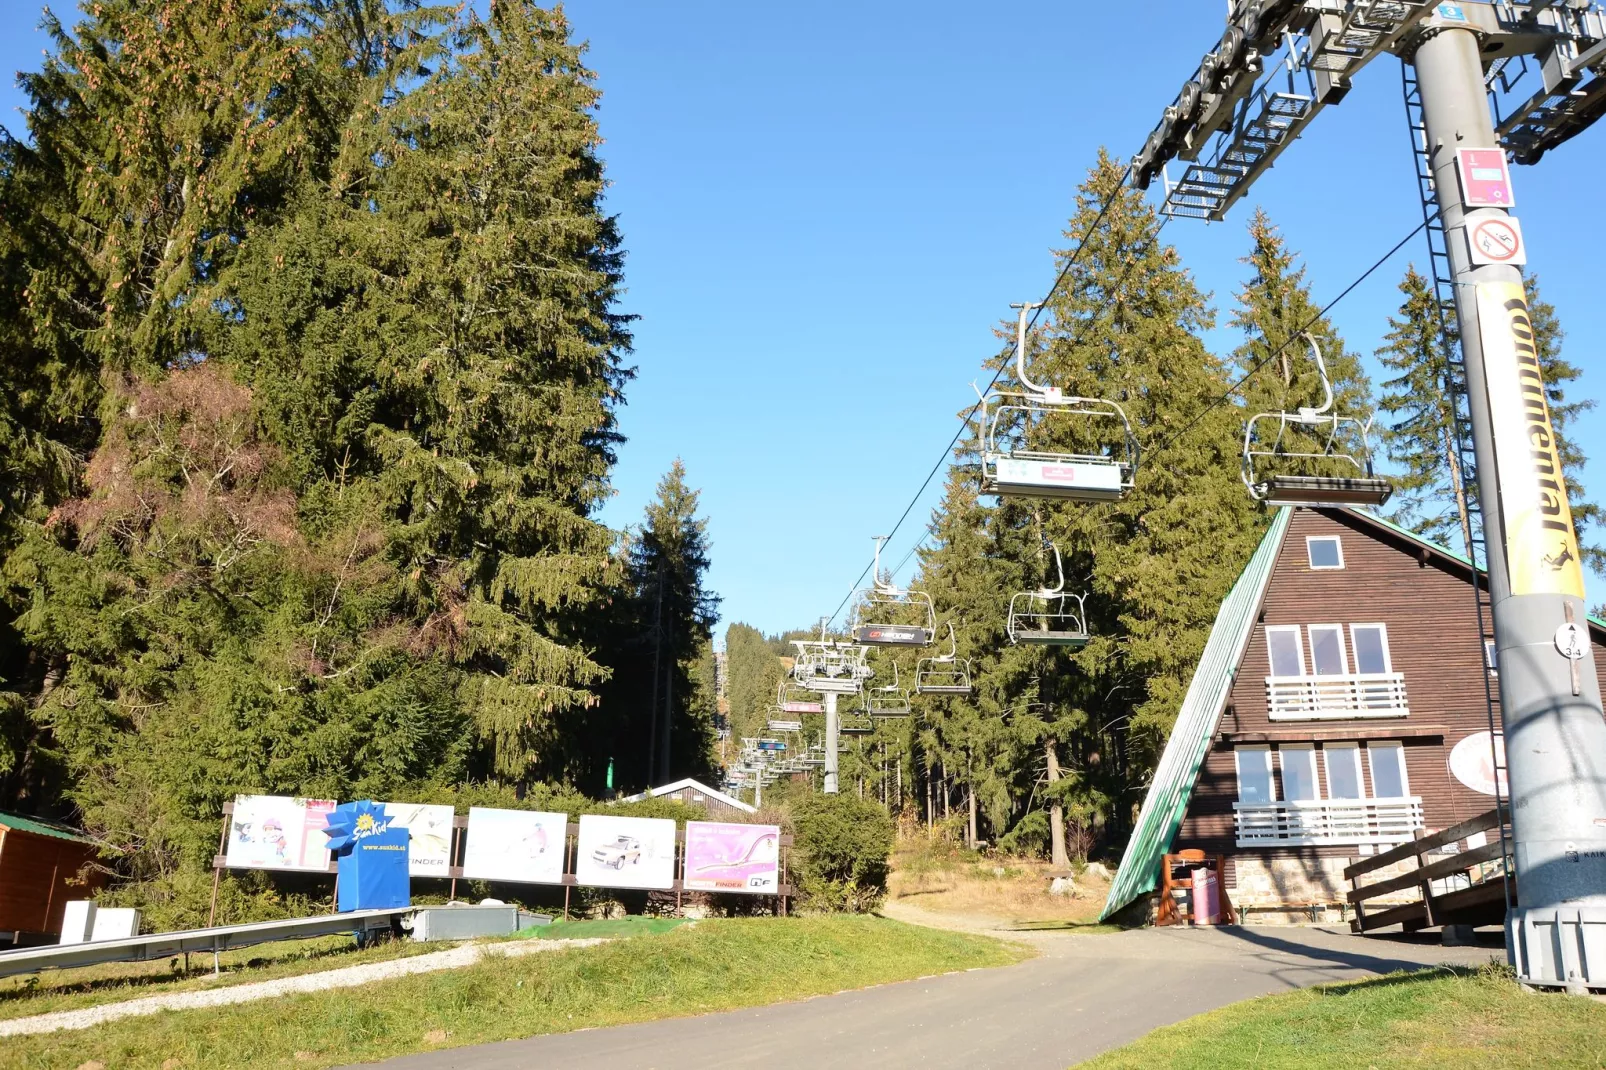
(1472, 763)
(278, 832)
(514, 845)
(625, 852)
(1571, 642)
(1495, 238)
(429, 830)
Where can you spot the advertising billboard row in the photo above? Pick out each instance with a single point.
(521, 846)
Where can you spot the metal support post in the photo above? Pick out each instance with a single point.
(832, 726)
(1555, 736)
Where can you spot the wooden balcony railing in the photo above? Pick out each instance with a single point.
(1328, 821)
(1319, 698)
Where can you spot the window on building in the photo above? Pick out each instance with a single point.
(1254, 775)
(1327, 650)
(1324, 551)
(1286, 651)
(1491, 660)
(1388, 770)
(1343, 771)
(1299, 774)
(1371, 642)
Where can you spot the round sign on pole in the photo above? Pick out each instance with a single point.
(1472, 762)
(1495, 238)
(1570, 641)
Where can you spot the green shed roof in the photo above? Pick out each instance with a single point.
(1185, 752)
(41, 827)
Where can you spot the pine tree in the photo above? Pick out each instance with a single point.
(1420, 433)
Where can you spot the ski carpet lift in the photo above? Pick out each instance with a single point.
(1010, 469)
(1049, 616)
(944, 674)
(883, 602)
(1334, 441)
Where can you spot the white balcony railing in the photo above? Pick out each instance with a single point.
(1320, 698)
(1328, 821)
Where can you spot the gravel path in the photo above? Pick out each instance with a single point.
(452, 959)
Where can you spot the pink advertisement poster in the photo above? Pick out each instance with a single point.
(723, 857)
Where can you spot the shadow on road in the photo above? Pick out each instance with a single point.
(1319, 953)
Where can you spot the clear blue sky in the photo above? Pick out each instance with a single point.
(828, 207)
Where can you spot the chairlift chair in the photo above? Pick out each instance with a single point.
(889, 701)
(1049, 616)
(944, 674)
(1334, 441)
(830, 666)
(1010, 469)
(851, 725)
(883, 602)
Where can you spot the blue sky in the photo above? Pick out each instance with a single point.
(828, 207)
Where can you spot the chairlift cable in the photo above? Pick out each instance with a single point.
(1004, 362)
(1293, 337)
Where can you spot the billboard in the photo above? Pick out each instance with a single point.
(514, 845)
(625, 852)
(429, 849)
(278, 832)
(728, 857)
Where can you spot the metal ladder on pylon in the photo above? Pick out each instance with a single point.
(1461, 421)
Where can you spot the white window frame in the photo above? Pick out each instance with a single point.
(1353, 749)
(1491, 657)
(1343, 651)
(1314, 767)
(1371, 763)
(1271, 774)
(1354, 647)
(1311, 561)
(1299, 644)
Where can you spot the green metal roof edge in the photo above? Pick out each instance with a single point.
(1437, 548)
(1185, 751)
(41, 827)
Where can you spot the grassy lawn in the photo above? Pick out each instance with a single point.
(608, 928)
(946, 879)
(113, 982)
(1431, 1018)
(692, 969)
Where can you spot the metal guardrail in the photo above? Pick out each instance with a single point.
(216, 939)
(1319, 698)
(1336, 822)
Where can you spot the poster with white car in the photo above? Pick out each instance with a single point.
(278, 832)
(514, 845)
(625, 852)
(429, 843)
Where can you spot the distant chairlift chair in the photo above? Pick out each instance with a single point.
(890, 615)
(1340, 444)
(889, 701)
(1050, 616)
(1011, 469)
(944, 674)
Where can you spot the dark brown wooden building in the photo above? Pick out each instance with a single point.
(1338, 708)
(42, 865)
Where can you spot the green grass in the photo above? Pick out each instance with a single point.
(113, 982)
(694, 969)
(610, 928)
(1468, 1019)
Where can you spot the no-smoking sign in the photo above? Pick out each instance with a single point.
(1495, 238)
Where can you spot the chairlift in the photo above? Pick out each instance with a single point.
(1332, 441)
(794, 701)
(830, 666)
(1049, 616)
(944, 674)
(852, 725)
(889, 701)
(877, 620)
(1011, 469)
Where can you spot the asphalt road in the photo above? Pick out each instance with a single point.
(1081, 996)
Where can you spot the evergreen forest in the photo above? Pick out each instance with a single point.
(315, 355)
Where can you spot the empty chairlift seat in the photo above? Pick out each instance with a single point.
(888, 615)
(1312, 456)
(944, 674)
(1049, 616)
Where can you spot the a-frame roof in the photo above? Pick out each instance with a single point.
(1174, 777)
(1185, 751)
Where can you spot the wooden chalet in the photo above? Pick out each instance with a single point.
(42, 865)
(1322, 726)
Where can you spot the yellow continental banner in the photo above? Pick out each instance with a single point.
(1541, 545)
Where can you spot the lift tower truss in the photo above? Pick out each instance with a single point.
(1492, 83)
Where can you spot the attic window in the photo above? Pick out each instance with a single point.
(1324, 551)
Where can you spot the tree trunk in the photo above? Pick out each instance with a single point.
(1056, 813)
(970, 795)
(930, 812)
(945, 792)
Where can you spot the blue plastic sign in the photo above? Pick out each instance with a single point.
(1452, 11)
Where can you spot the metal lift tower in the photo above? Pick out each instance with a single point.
(1485, 83)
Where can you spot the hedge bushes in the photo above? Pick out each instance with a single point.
(840, 853)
